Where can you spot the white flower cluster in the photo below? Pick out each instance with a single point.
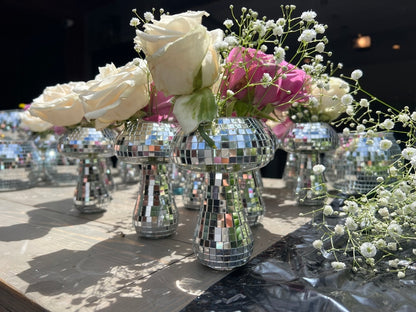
(263, 31)
(379, 225)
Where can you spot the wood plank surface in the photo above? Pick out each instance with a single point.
(54, 258)
(13, 301)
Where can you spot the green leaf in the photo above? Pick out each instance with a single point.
(197, 83)
(193, 109)
(242, 109)
(229, 108)
(264, 114)
(268, 109)
(245, 109)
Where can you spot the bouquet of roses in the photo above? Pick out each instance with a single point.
(219, 73)
(115, 95)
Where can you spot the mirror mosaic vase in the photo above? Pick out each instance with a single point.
(290, 172)
(19, 165)
(129, 173)
(54, 168)
(223, 239)
(358, 161)
(309, 141)
(155, 214)
(148, 143)
(252, 197)
(91, 147)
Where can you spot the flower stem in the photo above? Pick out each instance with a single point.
(206, 137)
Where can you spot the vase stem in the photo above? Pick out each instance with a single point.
(291, 169)
(155, 214)
(91, 194)
(252, 198)
(311, 188)
(223, 239)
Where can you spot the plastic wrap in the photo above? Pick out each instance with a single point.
(292, 276)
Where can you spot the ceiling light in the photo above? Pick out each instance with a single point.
(362, 42)
(396, 47)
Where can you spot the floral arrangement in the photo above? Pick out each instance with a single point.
(195, 75)
(229, 73)
(244, 80)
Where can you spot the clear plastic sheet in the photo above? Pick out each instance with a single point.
(292, 276)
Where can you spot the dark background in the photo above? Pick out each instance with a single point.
(46, 42)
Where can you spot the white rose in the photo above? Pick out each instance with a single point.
(116, 93)
(33, 123)
(330, 105)
(180, 52)
(59, 104)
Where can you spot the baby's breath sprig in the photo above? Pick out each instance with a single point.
(377, 229)
(250, 31)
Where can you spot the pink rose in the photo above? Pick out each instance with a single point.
(248, 66)
(281, 129)
(160, 106)
(59, 130)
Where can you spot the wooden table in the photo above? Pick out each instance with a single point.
(66, 261)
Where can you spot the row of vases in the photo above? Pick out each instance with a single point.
(223, 238)
(36, 161)
(226, 174)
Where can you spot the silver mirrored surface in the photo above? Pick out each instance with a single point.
(251, 196)
(155, 214)
(240, 144)
(194, 190)
(145, 142)
(91, 194)
(310, 137)
(83, 142)
(358, 161)
(19, 165)
(54, 167)
(223, 239)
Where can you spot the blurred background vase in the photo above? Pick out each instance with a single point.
(54, 167)
(19, 156)
(309, 140)
(291, 169)
(19, 165)
(90, 146)
(355, 165)
(147, 143)
(251, 193)
(176, 179)
(223, 239)
(129, 173)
